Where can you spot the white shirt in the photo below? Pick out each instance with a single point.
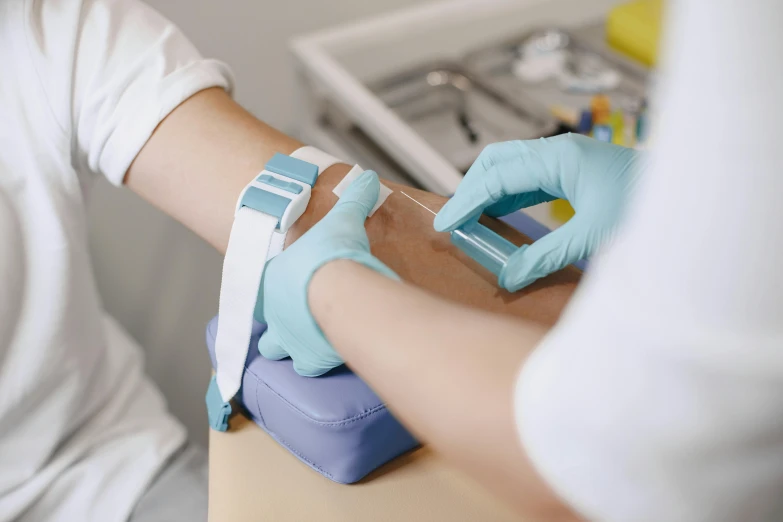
(659, 396)
(83, 85)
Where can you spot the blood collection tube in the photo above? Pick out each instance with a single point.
(484, 246)
(487, 248)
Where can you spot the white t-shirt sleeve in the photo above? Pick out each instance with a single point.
(659, 396)
(113, 69)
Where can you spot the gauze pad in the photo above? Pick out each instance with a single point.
(354, 173)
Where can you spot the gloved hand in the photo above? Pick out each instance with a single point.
(595, 177)
(339, 235)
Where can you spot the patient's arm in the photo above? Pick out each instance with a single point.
(194, 167)
(203, 154)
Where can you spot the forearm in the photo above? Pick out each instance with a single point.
(447, 371)
(203, 154)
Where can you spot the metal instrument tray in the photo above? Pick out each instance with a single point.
(494, 64)
(457, 113)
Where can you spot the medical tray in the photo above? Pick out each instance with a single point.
(494, 65)
(457, 113)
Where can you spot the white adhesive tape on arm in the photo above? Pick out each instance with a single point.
(243, 266)
(354, 173)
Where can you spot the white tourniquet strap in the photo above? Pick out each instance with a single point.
(267, 207)
(277, 244)
(315, 156)
(243, 266)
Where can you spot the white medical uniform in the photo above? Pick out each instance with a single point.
(82, 86)
(659, 396)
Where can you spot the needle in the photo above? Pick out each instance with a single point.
(420, 204)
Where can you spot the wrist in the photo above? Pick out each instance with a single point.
(326, 284)
(341, 274)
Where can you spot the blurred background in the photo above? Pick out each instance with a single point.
(411, 89)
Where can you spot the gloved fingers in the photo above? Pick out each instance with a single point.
(373, 263)
(555, 251)
(360, 196)
(271, 346)
(511, 204)
(307, 368)
(490, 180)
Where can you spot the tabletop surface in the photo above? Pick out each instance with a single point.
(253, 478)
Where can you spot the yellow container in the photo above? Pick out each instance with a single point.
(634, 29)
(561, 210)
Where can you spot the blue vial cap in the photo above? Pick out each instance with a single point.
(585, 122)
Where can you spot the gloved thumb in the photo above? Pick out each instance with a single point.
(361, 195)
(271, 347)
(554, 251)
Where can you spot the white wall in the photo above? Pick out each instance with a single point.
(157, 278)
(251, 36)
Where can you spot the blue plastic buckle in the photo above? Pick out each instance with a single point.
(288, 186)
(276, 197)
(293, 168)
(218, 411)
(266, 202)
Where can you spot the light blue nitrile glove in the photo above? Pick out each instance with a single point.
(594, 176)
(339, 235)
